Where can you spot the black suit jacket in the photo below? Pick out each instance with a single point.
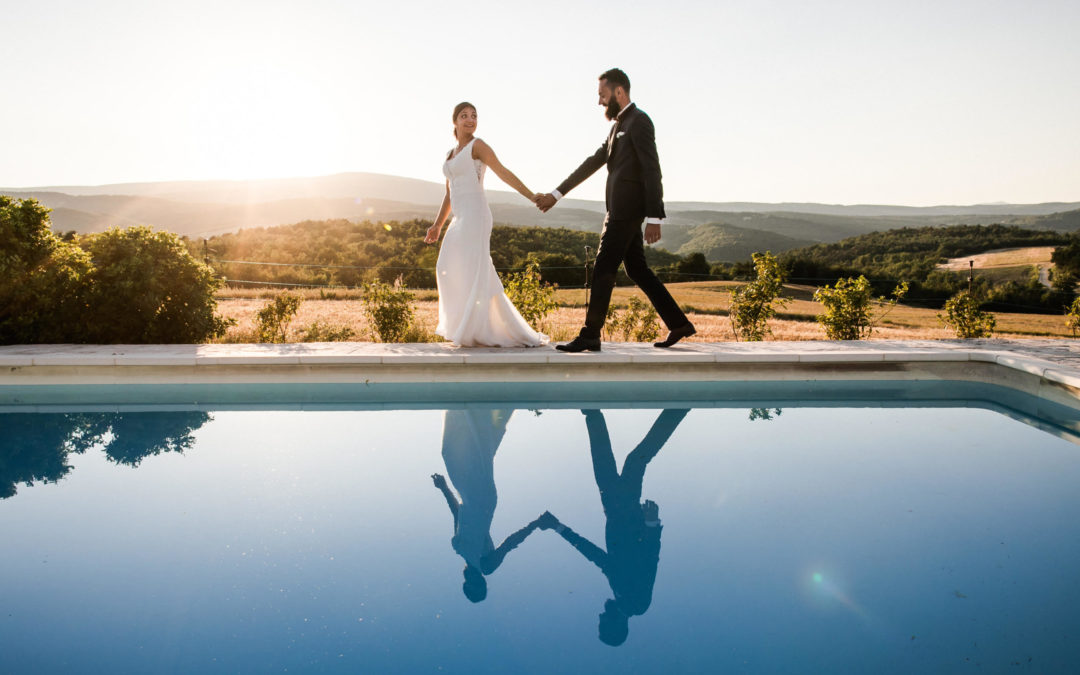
(634, 190)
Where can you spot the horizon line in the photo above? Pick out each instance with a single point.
(181, 181)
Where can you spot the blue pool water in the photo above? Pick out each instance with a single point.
(825, 536)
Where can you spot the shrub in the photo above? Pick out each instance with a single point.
(637, 323)
(146, 287)
(1072, 317)
(962, 314)
(847, 308)
(755, 303)
(44, 281)
(272, 321)
(389, 309)
(533, 298)
(765, 413)
(317, 331)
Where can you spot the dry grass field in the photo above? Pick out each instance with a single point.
(706, 301)
(1006, 257)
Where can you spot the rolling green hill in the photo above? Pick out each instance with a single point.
(1067, 221)
(721, 242)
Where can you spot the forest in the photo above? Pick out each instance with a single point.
(345, 253)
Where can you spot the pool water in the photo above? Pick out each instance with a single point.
(758, 539)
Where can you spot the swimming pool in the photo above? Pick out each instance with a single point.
(815, 527)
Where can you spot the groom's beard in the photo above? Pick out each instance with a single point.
(613, 108)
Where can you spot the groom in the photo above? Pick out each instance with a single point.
(634, 194)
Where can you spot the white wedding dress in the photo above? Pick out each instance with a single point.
(473, 308)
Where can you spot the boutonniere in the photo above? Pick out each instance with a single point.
(620, 134)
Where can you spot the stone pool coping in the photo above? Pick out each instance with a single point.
(1031, 365)
(50, 377)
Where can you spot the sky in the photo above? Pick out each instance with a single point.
(891, 102)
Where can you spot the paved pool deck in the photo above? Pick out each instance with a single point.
(1043, 367)
(1035, 381)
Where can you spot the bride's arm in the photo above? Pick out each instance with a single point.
(483, 152)
(444, 211)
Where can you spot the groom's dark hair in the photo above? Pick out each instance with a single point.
(617, 78)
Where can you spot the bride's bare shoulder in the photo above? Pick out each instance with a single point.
(480, 148)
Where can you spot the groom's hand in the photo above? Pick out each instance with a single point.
(545, 202)
(652, 233)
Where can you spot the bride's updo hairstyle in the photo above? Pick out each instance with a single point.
(457, 111)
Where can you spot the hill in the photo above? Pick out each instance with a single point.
(1067, 221)
(722, 242)
(204, 208)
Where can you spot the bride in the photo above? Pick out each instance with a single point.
(473, 308)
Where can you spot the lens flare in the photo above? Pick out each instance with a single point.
(826, 589)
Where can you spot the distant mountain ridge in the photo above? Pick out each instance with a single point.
(724, 231)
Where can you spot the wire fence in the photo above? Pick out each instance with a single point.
(696, 275)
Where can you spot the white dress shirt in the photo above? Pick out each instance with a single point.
(648, 221)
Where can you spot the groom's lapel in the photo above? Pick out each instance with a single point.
(615, 128)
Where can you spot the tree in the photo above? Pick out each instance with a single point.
(755, 303)
(693, 267)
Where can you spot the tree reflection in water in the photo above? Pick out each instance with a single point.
(35, 447)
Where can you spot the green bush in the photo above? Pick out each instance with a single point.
(533, 298)
(962, 314)
(44, 281)
(1072, 317)
(847, 308)
(755, 303)
(389, 309)
(272, 321)
(637, 323)
(147, 288)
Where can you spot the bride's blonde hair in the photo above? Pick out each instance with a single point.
(457, 111)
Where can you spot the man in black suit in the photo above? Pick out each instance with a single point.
(634, 194)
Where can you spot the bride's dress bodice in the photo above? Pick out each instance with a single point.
(466, 176)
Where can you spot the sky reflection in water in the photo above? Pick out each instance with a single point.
(802, 539)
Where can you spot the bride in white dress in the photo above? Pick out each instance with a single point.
(473, 308)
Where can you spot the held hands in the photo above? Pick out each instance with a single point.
(432, 235)
(544, 202)
(652, 233)
(547, 521)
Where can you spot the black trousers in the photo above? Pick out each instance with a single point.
(622, 242)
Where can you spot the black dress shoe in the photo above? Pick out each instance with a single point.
(676, 335)
(580, 344)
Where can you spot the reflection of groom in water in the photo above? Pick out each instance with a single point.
(470, 439)
(632, 532)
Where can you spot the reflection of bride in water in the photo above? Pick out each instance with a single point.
(632, 531)
(470, 439)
